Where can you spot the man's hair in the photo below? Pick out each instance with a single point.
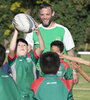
(45, 5)
(20, 40)
(59, 44)
(2, 54)
(49, 63)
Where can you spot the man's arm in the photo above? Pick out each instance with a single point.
(75, 74)
(71, 52)
(81, 71)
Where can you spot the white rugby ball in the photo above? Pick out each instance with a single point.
(23, 22)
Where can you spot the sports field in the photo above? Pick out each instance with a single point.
(81, 91)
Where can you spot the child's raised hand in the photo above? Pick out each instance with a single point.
(36, 29)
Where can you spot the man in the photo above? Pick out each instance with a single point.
(51, 31)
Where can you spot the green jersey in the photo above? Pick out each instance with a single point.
(49, 35)
(65, 71)
(23, 71)
(50, 87)
(57, 32)
(8, 88)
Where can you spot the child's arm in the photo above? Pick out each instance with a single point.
(41, 42)
(76, 59)
(80, 70)
(13, 44)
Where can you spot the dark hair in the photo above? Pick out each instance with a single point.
(49, 62)
(2, 54)
(45, 5)
(59, 44)
(20, 40)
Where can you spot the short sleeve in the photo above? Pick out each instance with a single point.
(68, 40)
(29, 39)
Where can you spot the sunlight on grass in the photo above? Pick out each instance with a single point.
(81, 95)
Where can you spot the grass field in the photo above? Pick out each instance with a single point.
(81, 91)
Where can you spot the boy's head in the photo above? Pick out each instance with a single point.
(21, 47)
(57, 46)
(2, 55)
(49, 63)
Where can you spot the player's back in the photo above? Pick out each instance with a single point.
(8, 89)
(50, 88)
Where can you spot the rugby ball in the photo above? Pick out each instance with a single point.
(23, 22)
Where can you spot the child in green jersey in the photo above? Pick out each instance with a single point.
(65, 70)
(23, 63)
(50, 87)
(8, 88)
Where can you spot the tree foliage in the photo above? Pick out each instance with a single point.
(77, 21)
(8, 9)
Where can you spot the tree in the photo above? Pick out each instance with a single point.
(8, 9)
(83, 7)
(75, 20)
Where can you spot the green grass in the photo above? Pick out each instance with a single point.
(81, 95)
(81, 91)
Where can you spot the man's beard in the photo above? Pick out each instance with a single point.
(46, 25)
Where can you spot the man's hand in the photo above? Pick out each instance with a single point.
(75, 74)
(75, 68)
(75, 77)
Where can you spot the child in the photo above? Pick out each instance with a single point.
(50, 87)
(23, 63)
(65, 70)
(8, 89)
